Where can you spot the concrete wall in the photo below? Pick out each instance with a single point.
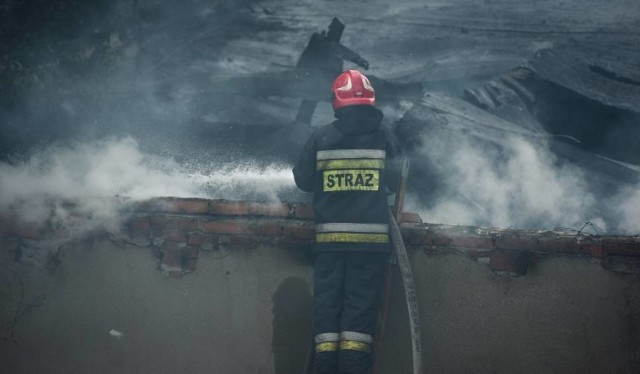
(246, 306)
(567, 315)
(242, 311)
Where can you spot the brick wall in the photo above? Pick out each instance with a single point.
(179, 229)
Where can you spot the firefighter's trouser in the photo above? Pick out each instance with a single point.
(347, 288)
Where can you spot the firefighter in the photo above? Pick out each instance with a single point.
(325, 53)
(350, 166)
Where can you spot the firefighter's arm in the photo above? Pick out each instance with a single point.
(304, 173)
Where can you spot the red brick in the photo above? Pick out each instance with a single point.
(190, 252)
(408, 217)
(240, 208)
(182, 206)
(562, 245)
(626, 248)
(267, 229)
(194, 224)
(622, 264)
(516, 243)
(225, 227)
(187, 206)
(198, 240)
(439, 240)
(472, 242)
(140, 225)
(162, 223)
(298, 233)
(426, 238)
(143, 206)
(271, 210)
(237, 228)
(228, 208)
(303, 212)
(514, 262)
(595, 250)
(176, 236)
(245, 241)
(190, 258)
(412, 237)
(171, 257)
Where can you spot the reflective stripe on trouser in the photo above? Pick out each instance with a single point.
(352, 233)
(355, 341)
(327, 342)
(326, 359)
(346, 290)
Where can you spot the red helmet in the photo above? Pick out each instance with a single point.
(352, 88)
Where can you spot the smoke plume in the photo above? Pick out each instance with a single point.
(519, 183)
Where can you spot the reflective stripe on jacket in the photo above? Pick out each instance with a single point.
(351, 174)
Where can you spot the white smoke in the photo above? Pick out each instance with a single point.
(627, 206)
(94, 180)
(518, 184)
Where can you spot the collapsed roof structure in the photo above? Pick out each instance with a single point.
(578, 102)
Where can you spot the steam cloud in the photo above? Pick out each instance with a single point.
(627, 208)
(520, 184)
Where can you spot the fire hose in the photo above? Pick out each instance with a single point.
(407, 279)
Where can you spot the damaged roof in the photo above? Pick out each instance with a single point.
(608, 75)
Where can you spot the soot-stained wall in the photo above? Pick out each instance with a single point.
(112, 304)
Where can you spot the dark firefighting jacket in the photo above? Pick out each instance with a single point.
(351, 166)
